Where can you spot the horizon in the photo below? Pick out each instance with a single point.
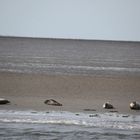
(75, 39)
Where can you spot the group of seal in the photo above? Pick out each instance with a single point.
(133, 105)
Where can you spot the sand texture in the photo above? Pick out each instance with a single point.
(76, 93)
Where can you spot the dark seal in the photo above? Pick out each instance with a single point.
(134, 105)
(4, 101)
(52, 102)
(107, 105)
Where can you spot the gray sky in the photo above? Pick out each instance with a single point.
(84, 19)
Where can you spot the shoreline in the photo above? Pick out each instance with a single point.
(76, 93)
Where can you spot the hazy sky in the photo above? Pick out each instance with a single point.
(84, 19)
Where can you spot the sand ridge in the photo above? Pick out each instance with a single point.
(76, 93)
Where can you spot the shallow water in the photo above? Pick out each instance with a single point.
(61, 132)
(66, 125)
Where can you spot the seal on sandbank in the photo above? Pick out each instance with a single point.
(134, 105)
(3, 101)
(52, 102)
(107, 105)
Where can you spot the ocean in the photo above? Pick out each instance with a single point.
(60, 56)
(68, 57)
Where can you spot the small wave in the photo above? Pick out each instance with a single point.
(66, 69)
(106, 120)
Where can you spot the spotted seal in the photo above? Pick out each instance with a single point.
(134, 105)
(107, 105)
(52, 102)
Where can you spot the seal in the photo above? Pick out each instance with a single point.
(134, 105)
(52, 102)
(3, 101)
(107, 105)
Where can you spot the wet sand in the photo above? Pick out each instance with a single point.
(76, 93)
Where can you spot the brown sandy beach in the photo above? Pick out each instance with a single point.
(76, 93)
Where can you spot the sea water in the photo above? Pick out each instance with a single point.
(50, 125)
(54, 56)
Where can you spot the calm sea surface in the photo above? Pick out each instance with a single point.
(68, 57)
